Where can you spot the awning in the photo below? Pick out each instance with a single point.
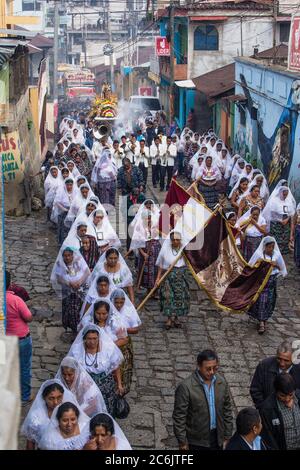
(216, 82)
(208, 18)
(155, 78)
(185, 84)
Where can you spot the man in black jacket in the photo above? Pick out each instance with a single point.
(202, 415)
(267, 370)
(280, 415)
(248, 429)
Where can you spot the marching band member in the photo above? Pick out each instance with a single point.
(142, 159)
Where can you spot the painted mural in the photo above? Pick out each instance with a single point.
(276, 152)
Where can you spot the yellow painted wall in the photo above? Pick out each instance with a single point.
(34, 106)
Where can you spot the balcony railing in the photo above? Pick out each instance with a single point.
(180, 70)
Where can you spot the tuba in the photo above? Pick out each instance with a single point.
(102, 129)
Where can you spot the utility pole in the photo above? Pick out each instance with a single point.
(111, 61)
(241, 28)
(275, 11)
(55, 66)
(172, 57)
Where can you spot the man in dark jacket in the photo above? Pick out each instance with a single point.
(248, 429)
(280, 415)
(267, 370)
(202, 415)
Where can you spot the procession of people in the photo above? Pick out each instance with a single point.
(99, 273)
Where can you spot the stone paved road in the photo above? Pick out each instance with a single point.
(162, 358)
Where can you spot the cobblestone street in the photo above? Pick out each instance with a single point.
(162, 358)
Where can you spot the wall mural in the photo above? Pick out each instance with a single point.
(276, 152)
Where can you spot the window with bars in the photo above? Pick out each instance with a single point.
(206, 38)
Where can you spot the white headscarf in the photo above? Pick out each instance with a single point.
(122, 442)
(122, 278)
(37, 418)
(63, 200)
(224, 164)
(92, 294)
(105, 169)
(128, 312)
(263, 189)
(277, 207)
(51, 185)
(85, 390)
(52, 438)
(73, 240)
(139, 226)
(62, 274)
(109, 357)
(78, 204)
(251, 230)
(236, 170)
(75, 172)
(167, 255)
(212, 173)
(277, 256)
(104, 232)
(236, 186)
(115, 325)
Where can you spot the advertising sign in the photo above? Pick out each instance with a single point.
(162, 46)
(294, 44)
(12, 159)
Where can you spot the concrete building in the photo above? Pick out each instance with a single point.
(267, 125)
(209, 34)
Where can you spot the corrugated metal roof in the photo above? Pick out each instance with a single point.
(8, 47)
(217, 81)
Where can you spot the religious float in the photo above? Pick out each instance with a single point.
(104, 112)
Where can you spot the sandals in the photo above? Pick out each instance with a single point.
(261, 328)
(168, 325)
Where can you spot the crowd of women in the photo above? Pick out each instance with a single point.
(76, 410)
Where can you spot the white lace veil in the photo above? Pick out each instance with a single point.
(85, 390)
(122, 442)
(259, 254)
(121, 279)
(53, 440)
(62, 275)
(37, 417)
(128, 312)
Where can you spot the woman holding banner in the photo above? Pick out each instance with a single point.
(174, 292)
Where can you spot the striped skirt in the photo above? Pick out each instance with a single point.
(282, 234)
(150, 269)
(264, 307)
(107, 386)
(210, 194)
(250, 246)
(127, 365)
(175, 293)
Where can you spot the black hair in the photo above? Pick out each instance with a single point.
(103, 420)
(65, 169)
(284, 383)
(115, 142)
(172, 234)
(243, 180)
(123, 137)
(82, 224)
(7, 279)
(111, 251)
(156, 137)
(126, 160)
(207, 355)
(246, 419)
(102, 279)
(254, 208)
(233, 214)
(69, 250)
(142, 140)
(99, 304)
(66, 407)
(51, 388)
(255, 186)
(90, 331)
(69, 180)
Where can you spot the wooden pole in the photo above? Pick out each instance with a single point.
(159, 282)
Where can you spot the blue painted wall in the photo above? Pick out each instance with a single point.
(271, 136)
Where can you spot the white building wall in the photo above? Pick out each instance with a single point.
(40, 14)
(257, 32)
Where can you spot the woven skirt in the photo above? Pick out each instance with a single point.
(150, 268)
(297, 246)
(127, 365)
(71, 307)
(175, 293)
(282, 234)
(264, 307)
(107, 386)
(250, 246)
(210, 194)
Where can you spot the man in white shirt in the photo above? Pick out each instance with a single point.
(167, 164)
(157, 150)
(142, 159)
(118, 154)
(133, 148)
